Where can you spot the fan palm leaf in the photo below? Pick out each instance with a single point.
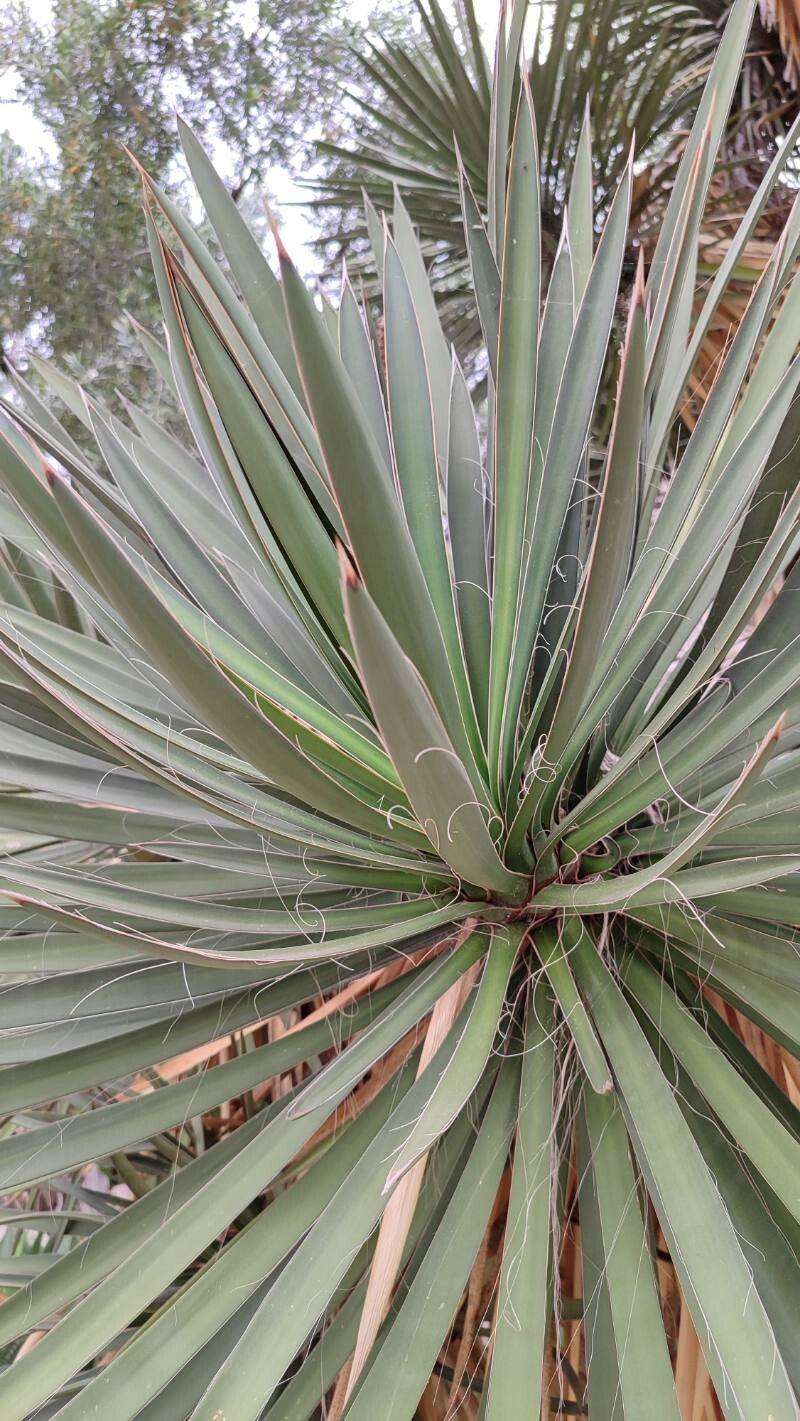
(638, 70)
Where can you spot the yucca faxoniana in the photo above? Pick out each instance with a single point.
(450, 754)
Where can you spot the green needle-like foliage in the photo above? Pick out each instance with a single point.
(464, 750)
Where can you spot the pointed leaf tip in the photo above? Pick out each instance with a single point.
(283, 255)
(347, 567)
(639, 286)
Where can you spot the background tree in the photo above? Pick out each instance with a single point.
(257, 81)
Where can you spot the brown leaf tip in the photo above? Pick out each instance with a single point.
(347, 567)
(283, 255)
(778, 728)
(639, 283)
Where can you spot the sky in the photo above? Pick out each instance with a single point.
(16, 116)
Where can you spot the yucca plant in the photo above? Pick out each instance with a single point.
(399, 806)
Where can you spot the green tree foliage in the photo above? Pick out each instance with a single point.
(255, 79)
